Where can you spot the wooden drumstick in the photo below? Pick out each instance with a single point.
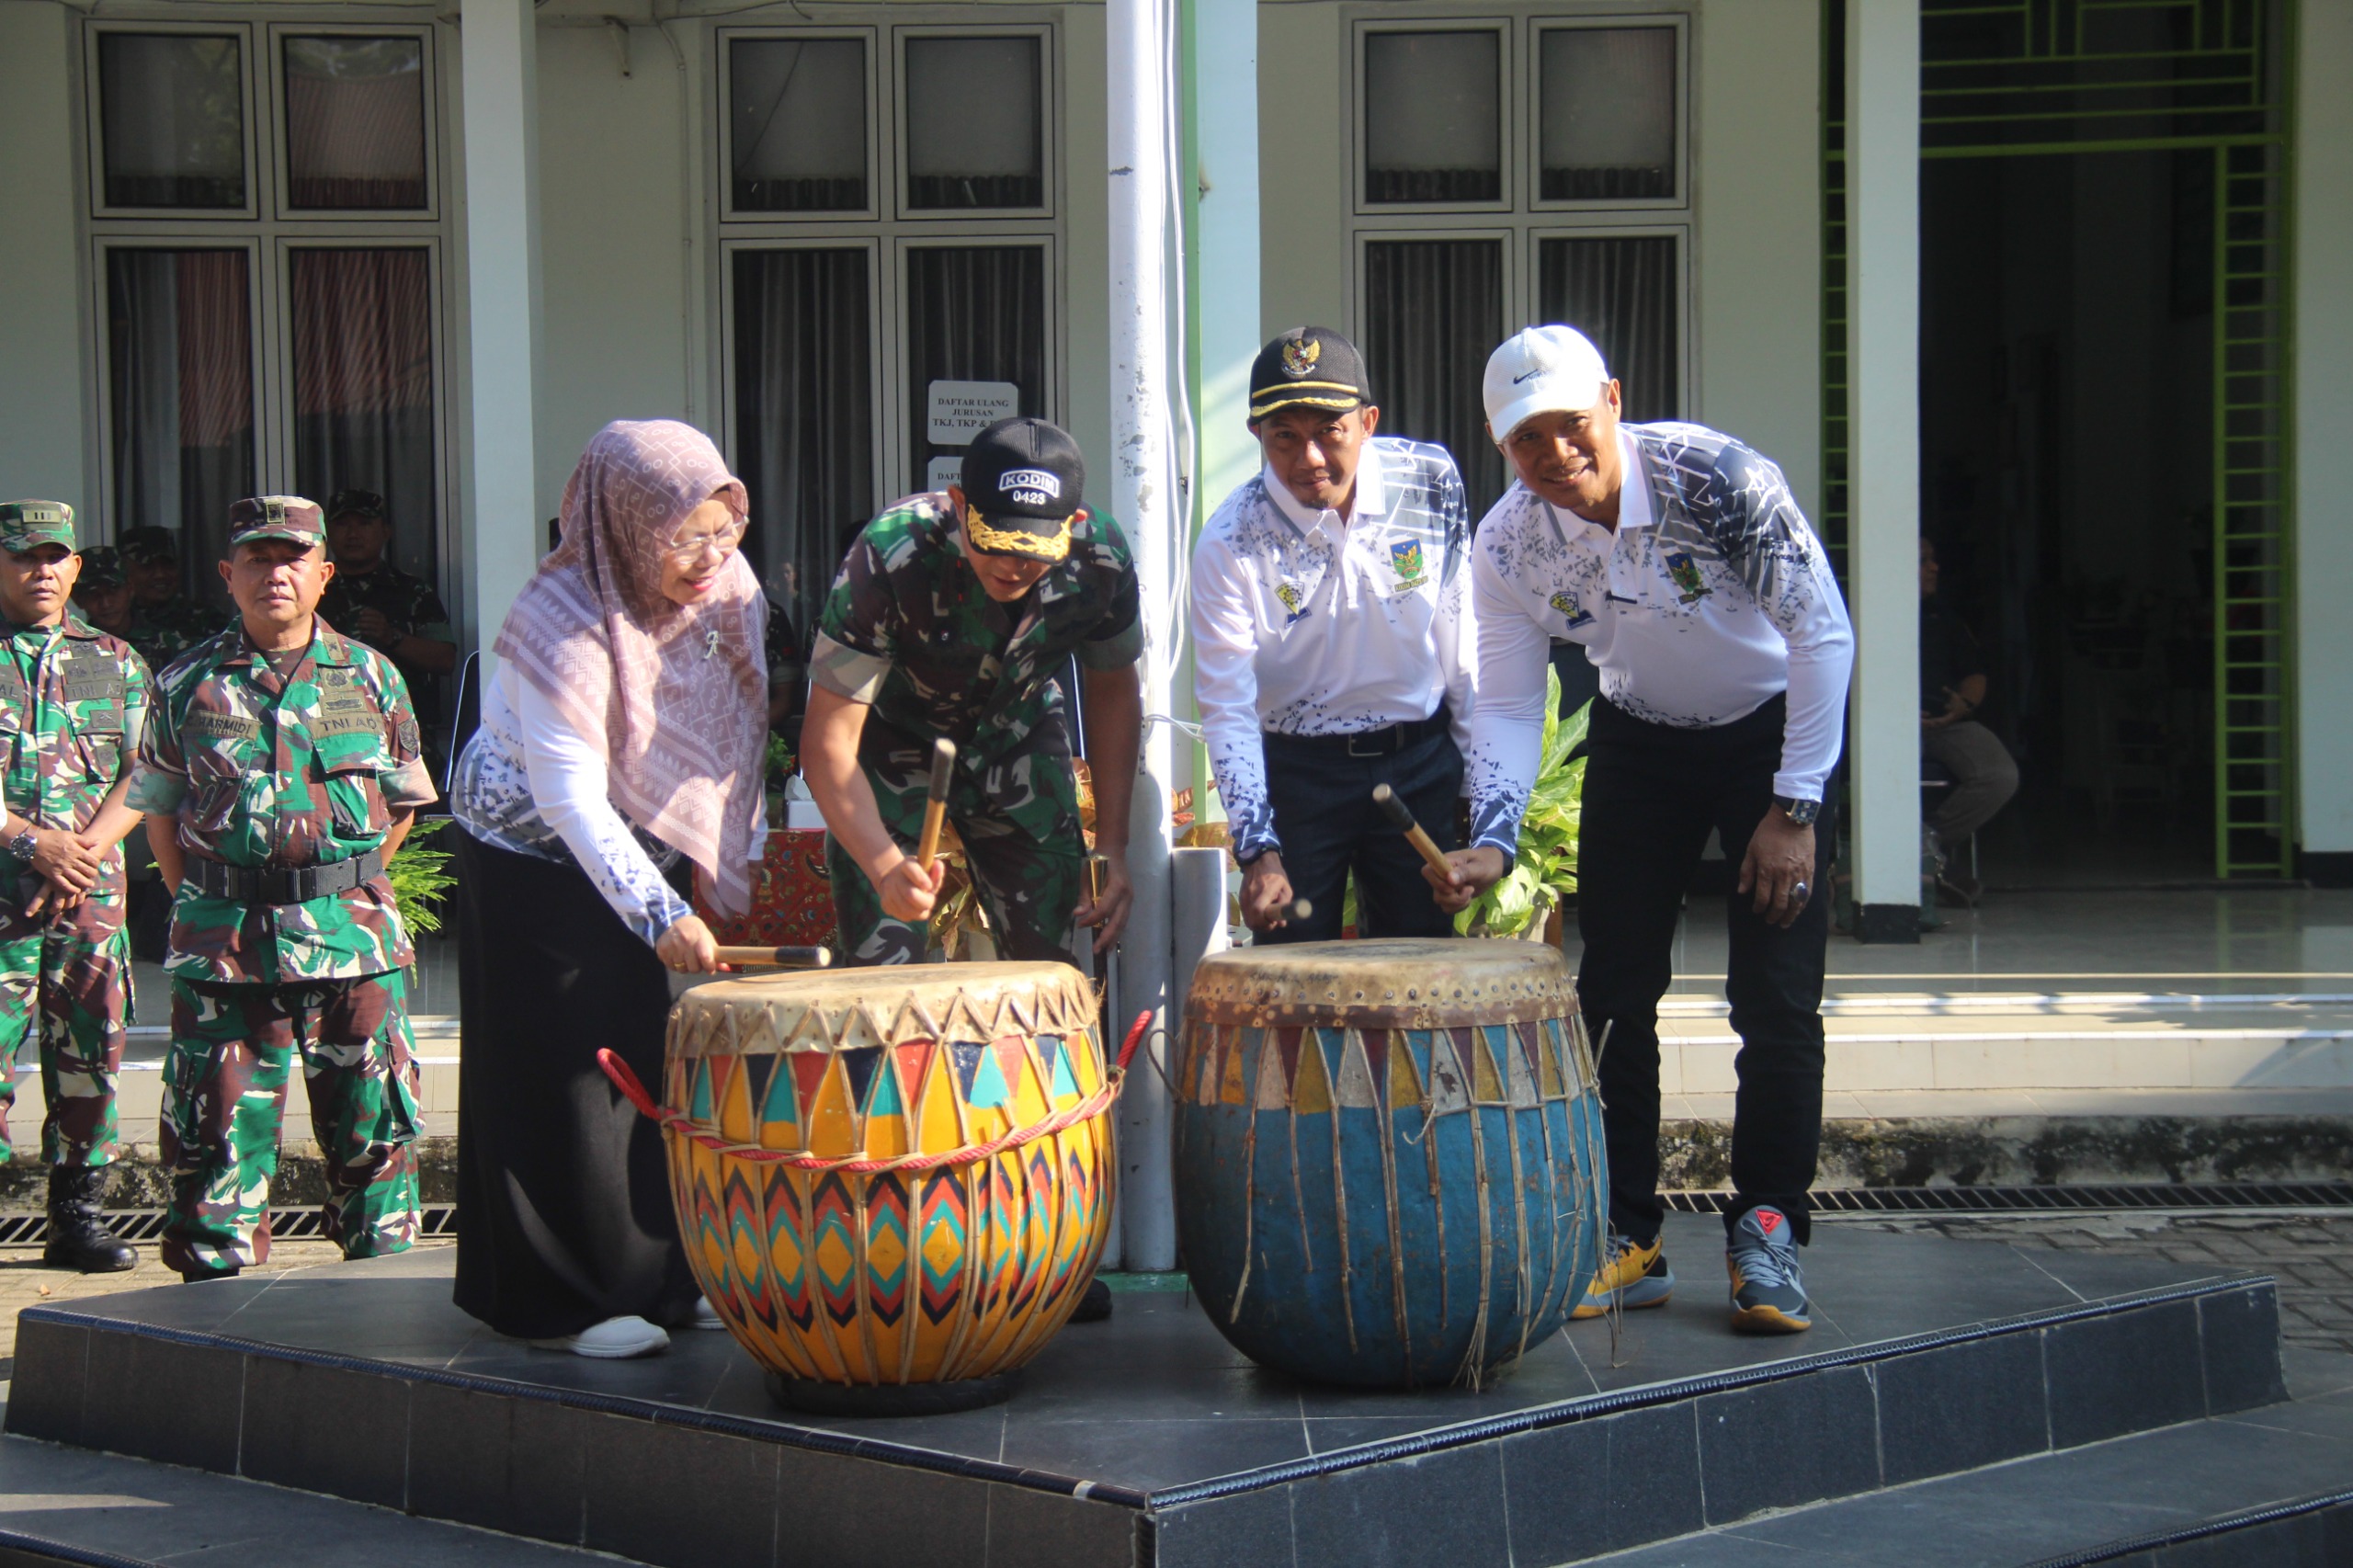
(1403, 821)
(935, 806)
(1297, 909)
(778, 957)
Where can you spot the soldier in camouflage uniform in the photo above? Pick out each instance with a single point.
(376, 602)
(164, 622)
(72, 702)
(280, 772)
(953, 613)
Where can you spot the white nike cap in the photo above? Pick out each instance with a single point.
(1541, 369)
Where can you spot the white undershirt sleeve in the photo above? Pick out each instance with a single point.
(569, 789)
(1507, 711)
(1225, 688)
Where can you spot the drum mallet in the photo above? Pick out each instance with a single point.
(1297, 909)
(935, 804)
(1403, 821)
(776, 957)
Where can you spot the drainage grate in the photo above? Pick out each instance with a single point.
(2053, 1199)
(147, 1225)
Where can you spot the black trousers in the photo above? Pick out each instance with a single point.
(1650, 795)
(1325, 815)
(564, 1216)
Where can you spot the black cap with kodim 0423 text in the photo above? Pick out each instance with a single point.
(1023, 479)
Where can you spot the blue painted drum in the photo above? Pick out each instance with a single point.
(1389, 1157)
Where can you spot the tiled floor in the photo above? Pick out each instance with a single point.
(1156, 1398)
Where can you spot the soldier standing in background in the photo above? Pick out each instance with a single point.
(397, 614)
(280, 772)
(169, 623)
(72, 702)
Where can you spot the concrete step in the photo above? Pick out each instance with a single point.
(2060, 1040)
(2194, 1485)
(138, 1512)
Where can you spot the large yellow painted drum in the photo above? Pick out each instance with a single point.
(894, 1183)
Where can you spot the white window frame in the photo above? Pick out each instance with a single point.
(892, 228)
(267, 233)
(1532, 91)
(1507, 117)
(1048, 109)
(282, 160)
(94, 119)
(877, 157)
(1520, 221)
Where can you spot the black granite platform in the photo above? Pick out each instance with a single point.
(1147, 1440)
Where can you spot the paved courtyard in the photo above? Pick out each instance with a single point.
(2311, 1255)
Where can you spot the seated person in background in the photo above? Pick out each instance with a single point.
(1952, 688)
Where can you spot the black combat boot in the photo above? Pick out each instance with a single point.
(78, 1237)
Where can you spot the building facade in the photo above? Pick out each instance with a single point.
(2101, 357)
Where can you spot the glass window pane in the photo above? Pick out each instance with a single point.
(180, 362)
(975, 314)
(1622, 292)
(1607, 113)
(172, 116)
(974, 118)
(1431, 117)
(354, 123)
(363, 398)
(804, 418)
(1433, 312)
(797, 142)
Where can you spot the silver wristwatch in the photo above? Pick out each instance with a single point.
(1800, 813)
(23, 845)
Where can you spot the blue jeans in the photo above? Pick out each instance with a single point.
(1325, 815)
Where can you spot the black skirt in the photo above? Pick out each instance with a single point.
(563, 1200)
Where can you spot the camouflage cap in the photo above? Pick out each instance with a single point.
(143, 546)
(102, 567)
(27, 525)
(289, 518)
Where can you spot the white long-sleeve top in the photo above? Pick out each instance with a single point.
(1306, 623)
(1711, 596)
(527, 782)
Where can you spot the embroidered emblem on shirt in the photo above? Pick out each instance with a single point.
(1300, 355)
(1407, 559)
(1577, 615)
(1292, 600)
(1686, 574)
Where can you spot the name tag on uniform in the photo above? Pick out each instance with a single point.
(93, 689)
(223, 727)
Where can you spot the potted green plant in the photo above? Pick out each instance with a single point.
(1544, 871)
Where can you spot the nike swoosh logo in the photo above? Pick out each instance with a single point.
(1538, 371)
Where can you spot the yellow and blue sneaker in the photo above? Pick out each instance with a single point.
(1635, 1275)
(1767, 1293)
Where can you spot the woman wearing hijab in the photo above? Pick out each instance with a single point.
(622, 732)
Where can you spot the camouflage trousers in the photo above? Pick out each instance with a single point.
(233, 1048)
(1017, 816)
(71, 990)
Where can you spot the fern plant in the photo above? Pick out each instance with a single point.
(1544, 869)
(421, 878)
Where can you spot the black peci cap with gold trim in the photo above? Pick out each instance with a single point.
(1308, 367)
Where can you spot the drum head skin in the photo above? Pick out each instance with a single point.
(1403, 982)
(850, 1009)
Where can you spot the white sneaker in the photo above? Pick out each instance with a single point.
(705, 1315)
(615, 1339)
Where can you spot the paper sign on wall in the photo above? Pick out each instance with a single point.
(961, 410)
(946, 470)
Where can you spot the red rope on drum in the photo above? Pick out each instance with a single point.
(673, 1121)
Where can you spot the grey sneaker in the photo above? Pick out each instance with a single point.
(1767, 1293)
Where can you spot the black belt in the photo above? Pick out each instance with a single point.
(282, 884)
(1387, 741)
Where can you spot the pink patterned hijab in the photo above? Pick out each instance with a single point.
(675, 696)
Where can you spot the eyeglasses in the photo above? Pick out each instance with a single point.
(687, 551)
